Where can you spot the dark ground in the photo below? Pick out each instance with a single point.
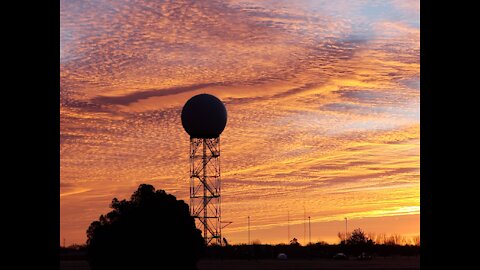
(324, 264)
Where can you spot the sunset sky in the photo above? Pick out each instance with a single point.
(323, 101)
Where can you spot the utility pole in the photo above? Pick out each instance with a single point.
(304, 224)
(309, 231)
(288, 227)
(345, 231)
(248, 230)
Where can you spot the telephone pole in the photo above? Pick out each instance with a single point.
(288, 227)
(309, 231)
(304, 223)
(345, 231)
(248, 230)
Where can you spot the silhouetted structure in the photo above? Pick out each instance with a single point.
(153, 230)
(204, 117)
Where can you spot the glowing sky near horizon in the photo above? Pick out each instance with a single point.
(323, 100)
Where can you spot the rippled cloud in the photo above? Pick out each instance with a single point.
(322, 96)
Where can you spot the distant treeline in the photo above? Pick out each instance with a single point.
(260, 251)
(73, 252)
(317, 250)
(357, 244)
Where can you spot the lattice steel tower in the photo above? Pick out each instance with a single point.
(204, 117)
(205, 186)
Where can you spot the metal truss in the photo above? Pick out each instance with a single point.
(205, 187)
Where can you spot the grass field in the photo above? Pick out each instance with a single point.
(398, 263)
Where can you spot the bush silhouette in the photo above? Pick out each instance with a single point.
(153, 230)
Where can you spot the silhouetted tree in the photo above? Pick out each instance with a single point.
(359, 242)
(225, 242)
(381, 238)
(395, 239)
(416, 240)
(294, 242)
(153, 230)
(371, 236)
(256, 242)
(319, 243)
(357, 237)
(341, 237)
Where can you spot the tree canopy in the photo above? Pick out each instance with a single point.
(358, 237)
(151, 230)
(359, 242)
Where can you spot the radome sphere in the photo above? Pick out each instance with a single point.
(204, 116)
